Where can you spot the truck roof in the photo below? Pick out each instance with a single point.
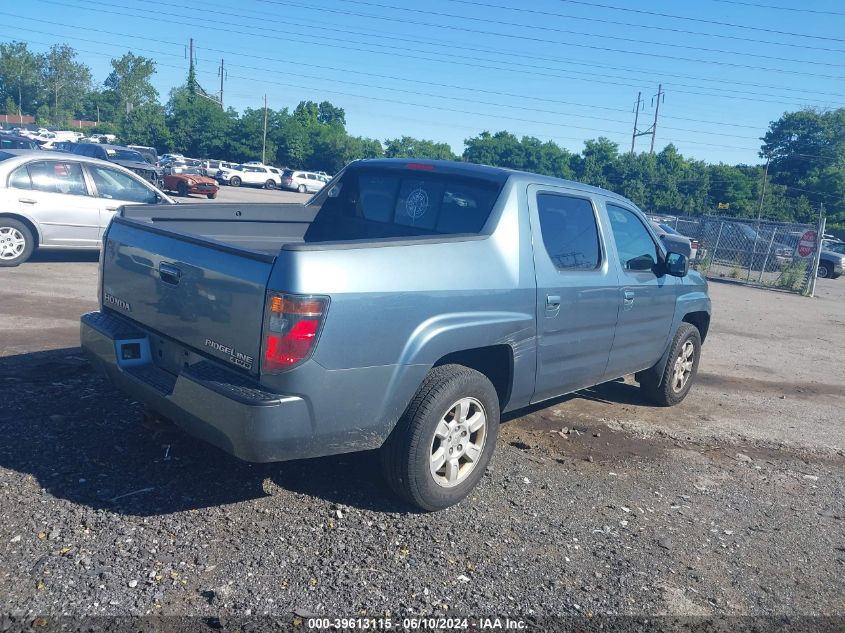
(494, 173)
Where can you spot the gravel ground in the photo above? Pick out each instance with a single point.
(732, 503)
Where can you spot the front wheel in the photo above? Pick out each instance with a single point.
(211, 196)
(235, 181)
(16, 242)
(680, 371)
(301, 188)
(824, 271)
(440, 448)
(182, 188)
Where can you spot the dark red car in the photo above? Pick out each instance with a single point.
(190, 180)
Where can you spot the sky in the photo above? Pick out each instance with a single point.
(446, 70)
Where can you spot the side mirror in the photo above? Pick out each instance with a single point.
(677, 264)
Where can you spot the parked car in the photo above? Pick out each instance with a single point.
(739, 244)
(831, 261)
(191, 180)
(211, 167)
(150, 154)
(102, 138)
(256, 175)
(302, 181)
(291, 332)
(14, 141)
(674, 240)
(123, 156)
(62, 201)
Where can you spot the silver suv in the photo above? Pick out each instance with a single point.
(303, 181)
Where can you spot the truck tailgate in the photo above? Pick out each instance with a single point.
(205, 295)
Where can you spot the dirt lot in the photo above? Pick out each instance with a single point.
(732, 503)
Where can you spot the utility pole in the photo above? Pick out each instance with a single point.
(264, 142)
(659, 96)
(763, 191)
(191, 54)
(221, 83)
(636, 120)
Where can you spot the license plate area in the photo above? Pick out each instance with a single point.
(168, 355)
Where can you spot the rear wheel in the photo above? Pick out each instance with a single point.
(440, 448)
(270, 184)
(680, 371)
(234, 181)
(16, 242)
(301, 188)
(824, 271)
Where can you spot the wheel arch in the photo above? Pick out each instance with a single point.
(700, 319)
(33, 227)
(493, 361)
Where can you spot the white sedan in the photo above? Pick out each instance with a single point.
(62, 201)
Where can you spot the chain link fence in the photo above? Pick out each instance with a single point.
(770, 254)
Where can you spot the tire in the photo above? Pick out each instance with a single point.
(301, 188)
(16, 242)
(234, 181)
(211, 196)
(666, 391)
(270, 184)
(182, 189)
(824, 271)
(431, 424)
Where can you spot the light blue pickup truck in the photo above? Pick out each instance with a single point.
(403, 308)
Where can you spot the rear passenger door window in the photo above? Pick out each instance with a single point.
(58, 177)
(569, 230)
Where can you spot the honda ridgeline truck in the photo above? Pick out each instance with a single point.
(403, 308)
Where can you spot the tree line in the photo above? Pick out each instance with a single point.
(805, 150)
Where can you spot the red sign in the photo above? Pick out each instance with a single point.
(807, 244)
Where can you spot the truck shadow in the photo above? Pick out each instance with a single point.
(83, 441)
(67, 256)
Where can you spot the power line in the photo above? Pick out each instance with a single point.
(546, 41)
(606, 36)
(777, 8)
(655, 27)
(702, 20)
(521, 107)
(452, 59)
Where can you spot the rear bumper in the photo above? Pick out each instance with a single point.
(207, 400)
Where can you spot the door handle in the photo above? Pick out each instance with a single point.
(169, 273)
(27, 200)
(629, 297)
(552, 301)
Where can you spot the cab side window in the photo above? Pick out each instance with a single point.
(636, 248)
(569, 230)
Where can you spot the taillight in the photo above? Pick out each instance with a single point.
(292, 325)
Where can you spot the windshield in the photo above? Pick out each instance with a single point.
(192, 171)
(668, 229)
(125, 154)
(836, 247)
(382, 203)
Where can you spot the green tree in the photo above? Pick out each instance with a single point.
(129, 83)
(145, 125)
(67, 82)
(20, 77)
(409, 147)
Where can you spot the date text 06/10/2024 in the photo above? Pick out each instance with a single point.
(432, 624)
